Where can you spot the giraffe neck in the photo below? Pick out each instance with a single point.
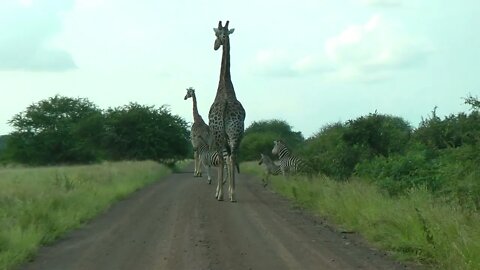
(225, 85)
(196, 115)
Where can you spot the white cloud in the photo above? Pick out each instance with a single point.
(88, 4)
(283, 63)
(273, 62)
(25, 3)
(365, 52)
(374, 49)
(383, 3)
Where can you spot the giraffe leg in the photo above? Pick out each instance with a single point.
(196, 157)
(195, 160)
(199, 169)
(231, 177)
(219, 192)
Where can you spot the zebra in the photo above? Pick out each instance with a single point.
(288, 162)
(209, 158)
(270, 168)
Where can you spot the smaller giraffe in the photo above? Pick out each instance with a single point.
(200, 132)
(270, 168)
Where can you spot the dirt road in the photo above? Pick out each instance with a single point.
(177, 224)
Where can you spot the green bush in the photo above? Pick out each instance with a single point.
(259, 137)
(452, 131)
(328, 153)
(378, 135)
(337, 148)
(399, 173)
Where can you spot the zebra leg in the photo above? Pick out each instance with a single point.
(265, 183)
(206, 166)
(225, 173)
(209, 177)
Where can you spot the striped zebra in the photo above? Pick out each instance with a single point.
(209, 158)
(289, 164)
(270, 168)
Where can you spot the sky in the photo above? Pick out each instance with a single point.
(308, 62)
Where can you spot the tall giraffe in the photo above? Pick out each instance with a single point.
(199, 134)
(226, 116)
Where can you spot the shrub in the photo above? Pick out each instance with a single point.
(259, 137)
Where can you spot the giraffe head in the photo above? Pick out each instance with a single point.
(222, 33)
(190, 93)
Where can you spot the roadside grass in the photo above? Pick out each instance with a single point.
(415, 227)
(38, 205)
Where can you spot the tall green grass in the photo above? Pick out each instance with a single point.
(415, 226)
(38, 205)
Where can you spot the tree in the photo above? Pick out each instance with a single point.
(259, 137)
(328, 153)
(378, 134)
(473, 101)
(454, 130)
(144, 132)
(3, 145)
(56, 130)
(337, 148)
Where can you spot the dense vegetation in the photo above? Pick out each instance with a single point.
(3, 145)
(413, 191)
(63, 130)
(416, 226)
(259, 137)
(441, 155)
(39, 204)
(377, 174)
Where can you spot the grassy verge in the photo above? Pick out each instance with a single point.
(38, 205)
(414, 227)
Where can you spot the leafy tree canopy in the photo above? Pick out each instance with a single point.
(140, 132)
(55, 130)
(259, 137)
(74, 130)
